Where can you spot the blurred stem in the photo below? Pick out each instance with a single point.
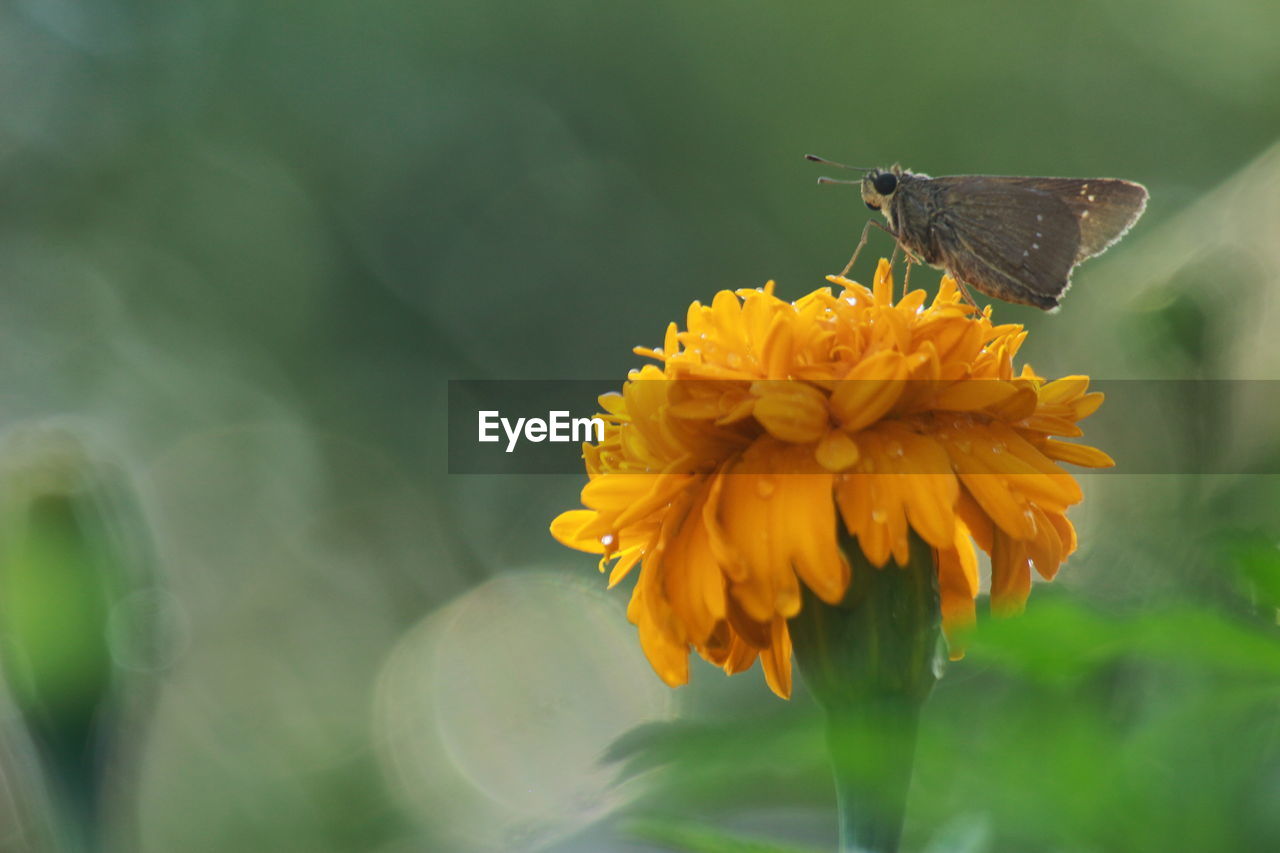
(870, 662)
(872, 753)
(76, 786)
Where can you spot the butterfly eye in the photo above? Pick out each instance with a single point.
(886, 183)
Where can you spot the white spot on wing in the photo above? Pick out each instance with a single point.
(1035, 245)
(1084, 215)
(1092, 198)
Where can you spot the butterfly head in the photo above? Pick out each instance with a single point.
(879, 185)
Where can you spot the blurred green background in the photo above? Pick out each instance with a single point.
(243, 246)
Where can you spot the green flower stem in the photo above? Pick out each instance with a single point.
(872, 752)
(871, 663)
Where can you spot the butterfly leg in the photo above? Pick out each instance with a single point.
(906, 275)
(862, 241)
(893, 258)
(964, 291)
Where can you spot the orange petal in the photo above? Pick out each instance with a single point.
(660, 637)
(978, 523)
(1045, 550)
(870, 390)
(929, 489)
(1010, 575)
(957, 588)
(990, 490)
(778, 347)
(1066, 533)
(567, 527)
(748, 518)
(776, 660)
(837, 451)
(804, 519)
(1064, 390)
(627, 560)
(693, 583)
(792, 411)
(1087, 405)
(971, 394)
(741, 656)
(1076, 454)
(1052, 425)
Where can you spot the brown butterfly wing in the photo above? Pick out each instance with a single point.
(1009, 240)
(1106, 208)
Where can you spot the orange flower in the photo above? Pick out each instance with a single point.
(726, 473)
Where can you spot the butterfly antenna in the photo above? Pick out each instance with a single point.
(816, 159)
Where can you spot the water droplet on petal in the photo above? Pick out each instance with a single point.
(606, 540)
(764, 487)
(963, 445)
(733, 359)
(998, 447)
(895, 449)
(879, 515)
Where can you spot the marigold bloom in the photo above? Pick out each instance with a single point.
(725, 473)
